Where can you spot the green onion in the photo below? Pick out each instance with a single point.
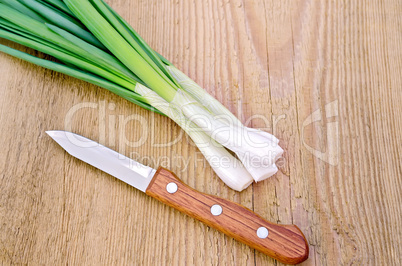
(93, 43)
(234, 174)
(130, 57)
(60, 6)
(130, 96)
(62, 21)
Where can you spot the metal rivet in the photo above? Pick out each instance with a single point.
(171, 188)
(216, 210)
(262, 232)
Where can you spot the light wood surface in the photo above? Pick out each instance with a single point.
(323, 76)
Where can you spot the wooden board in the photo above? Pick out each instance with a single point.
(323, 76)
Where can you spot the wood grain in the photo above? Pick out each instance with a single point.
(276, 64)
(285, 243)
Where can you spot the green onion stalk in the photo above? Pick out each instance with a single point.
(93, 43)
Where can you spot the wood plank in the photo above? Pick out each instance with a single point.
(275, 64)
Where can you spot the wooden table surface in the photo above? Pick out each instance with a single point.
(323, 76)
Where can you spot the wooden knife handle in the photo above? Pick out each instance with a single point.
(286, 243)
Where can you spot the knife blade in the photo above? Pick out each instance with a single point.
(286, 243)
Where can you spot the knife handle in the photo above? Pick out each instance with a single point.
(286, 243)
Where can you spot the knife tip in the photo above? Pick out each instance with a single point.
(56, 134)
(53, 132)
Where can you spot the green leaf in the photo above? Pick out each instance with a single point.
(133, 39)
(67, 57)
(95, 51)
(62, 21)
(58, 4)
(23, 9)
(139, 39)
(104, 32)
(126, 94)
(40, 30)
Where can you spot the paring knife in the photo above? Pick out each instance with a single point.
(286, 243)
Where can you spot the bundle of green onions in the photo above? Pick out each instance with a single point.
(92, 42)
